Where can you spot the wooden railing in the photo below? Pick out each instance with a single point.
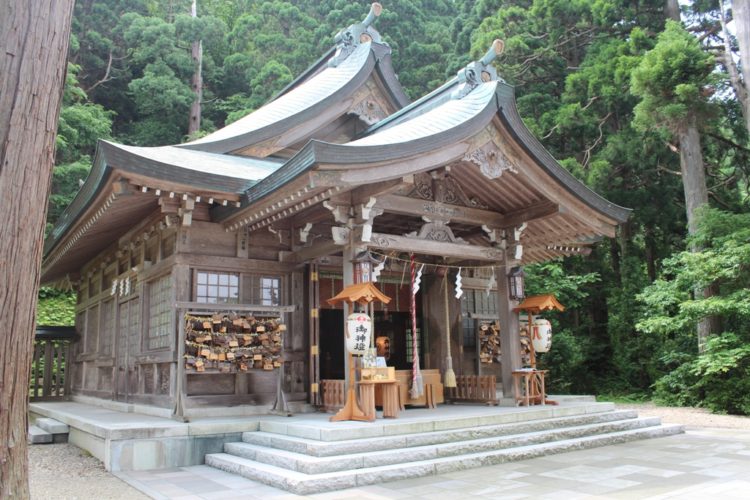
(474, 388)
(50, 378)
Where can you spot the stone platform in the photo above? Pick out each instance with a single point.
(309, 445)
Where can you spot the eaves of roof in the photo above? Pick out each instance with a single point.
(396, 144)
(508, 114)
(96, 180)
(201, 170)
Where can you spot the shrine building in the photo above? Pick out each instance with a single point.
(203, 268)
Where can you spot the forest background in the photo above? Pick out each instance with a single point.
(613, 89)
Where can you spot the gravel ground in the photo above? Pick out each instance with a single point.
(63, 471)
(691, 418)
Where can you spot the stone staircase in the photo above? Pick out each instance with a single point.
(47, 430)
(306, 459)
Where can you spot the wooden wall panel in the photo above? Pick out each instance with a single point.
(210, 384)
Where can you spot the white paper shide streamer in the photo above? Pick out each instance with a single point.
(378, 269)
(459, 290)
(491, 283)
(418, 279)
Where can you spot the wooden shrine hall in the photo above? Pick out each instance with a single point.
(203, 269)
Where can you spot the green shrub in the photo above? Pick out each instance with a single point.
(55, 307)
(564, 361)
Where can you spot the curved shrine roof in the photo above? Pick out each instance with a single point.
(437, 130)
(425, 126)
(221, 172)
(298, 104)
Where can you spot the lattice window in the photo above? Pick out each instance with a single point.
(217, 288)
(270, 290)
(261, 289)
(159, 312)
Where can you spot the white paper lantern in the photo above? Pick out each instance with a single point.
(541, 335)
(359, 329)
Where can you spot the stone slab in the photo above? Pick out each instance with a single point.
(52, 426)
(359, 454)
(304, 484)
(318, 448)
(37, 435)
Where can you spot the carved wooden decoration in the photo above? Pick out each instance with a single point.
(369, 111)
(491, 163)
(436, 230)
(443, 189)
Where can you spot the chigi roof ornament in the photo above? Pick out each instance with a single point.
(349, 39)
(478, 71)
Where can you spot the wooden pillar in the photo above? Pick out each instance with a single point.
(510, 339)
(348, 279)
(313, 300)
(181, 291)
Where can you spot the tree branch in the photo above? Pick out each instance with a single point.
(665, 169)
(728, 142)
(587, 153)
(106, 76)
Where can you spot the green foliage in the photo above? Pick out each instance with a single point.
(720, 377)
(672, 305)
(65, 184)
(718, 380)
(670, 80)
(552, 277)
(566, 362)
(81, 122)
(55, 308)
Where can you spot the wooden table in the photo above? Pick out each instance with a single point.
(528, 387)
(389, 390)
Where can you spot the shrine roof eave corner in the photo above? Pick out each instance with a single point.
(509, 116)
(165, 167)
(96, 180)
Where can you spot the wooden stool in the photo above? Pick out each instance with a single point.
(528, 386)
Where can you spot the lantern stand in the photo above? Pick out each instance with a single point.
(363, 294)
(535, 305)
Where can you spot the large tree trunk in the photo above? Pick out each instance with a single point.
(696, 196)
(672, 10)
(693, 172)
(34, 38)
(197, 82)
(741, 14)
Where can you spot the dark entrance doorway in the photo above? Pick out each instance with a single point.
(395, 326)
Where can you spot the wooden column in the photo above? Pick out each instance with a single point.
(313, 300)
(182, 291)
(510, 339)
